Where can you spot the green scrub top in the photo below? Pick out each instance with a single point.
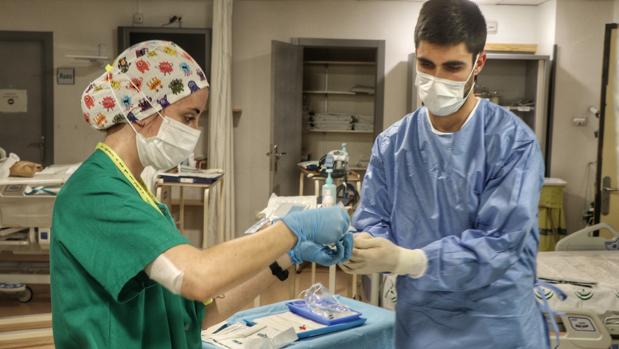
(103, 235)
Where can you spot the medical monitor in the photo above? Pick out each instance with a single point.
(196, 41)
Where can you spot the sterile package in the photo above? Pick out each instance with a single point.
(254, 335)
(280, 206)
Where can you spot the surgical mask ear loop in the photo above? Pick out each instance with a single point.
(474, 66)
(471, 74)
(108, 70)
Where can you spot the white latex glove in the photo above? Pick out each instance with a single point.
(376, 255)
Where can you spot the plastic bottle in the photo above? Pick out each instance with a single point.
(346, 156)
(328, 191)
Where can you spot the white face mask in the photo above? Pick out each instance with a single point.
(442, 97)
(173, 143)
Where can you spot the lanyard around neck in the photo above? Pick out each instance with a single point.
(120, 164)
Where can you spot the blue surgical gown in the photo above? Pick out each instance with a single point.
(469, 200)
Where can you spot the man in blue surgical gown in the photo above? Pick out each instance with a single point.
(449, 201)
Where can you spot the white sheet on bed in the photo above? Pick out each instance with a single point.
(600, 267)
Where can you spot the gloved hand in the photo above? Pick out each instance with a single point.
(323, 226)
(376, 255)
(308, 251)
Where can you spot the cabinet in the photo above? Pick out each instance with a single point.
(519, 82)
(338, 100)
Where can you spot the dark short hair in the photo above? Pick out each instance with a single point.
(451, 22)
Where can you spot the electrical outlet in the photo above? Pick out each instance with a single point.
(492, 27)
(138, 18)
(579, 121)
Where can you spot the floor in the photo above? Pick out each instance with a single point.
(279, 292)
(41, 303)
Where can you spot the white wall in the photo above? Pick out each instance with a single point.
(516, 24)
(616, 11)
(78, 27)
(546, 24)
(579, 36)
(256, 23)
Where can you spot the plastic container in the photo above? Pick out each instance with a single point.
(300, 308)
(344, 150)
(329, 191)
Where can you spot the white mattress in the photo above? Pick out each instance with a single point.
(54, 174)
(599, 267)
(34, 210)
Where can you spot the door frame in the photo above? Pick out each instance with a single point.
(605, 70)
(47, 63)
(274, 153)
(379, 45)
(302, 43)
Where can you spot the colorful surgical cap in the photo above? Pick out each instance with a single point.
(143, 80)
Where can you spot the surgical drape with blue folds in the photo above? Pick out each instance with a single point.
(469, 200)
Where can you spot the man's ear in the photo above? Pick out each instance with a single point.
(481, 63)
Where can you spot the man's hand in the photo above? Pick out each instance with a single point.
(375, 255)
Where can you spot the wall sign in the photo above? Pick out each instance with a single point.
(492, 27)
(13, 101)
(65, 76)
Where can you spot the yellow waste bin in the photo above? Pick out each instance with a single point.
(551, 214)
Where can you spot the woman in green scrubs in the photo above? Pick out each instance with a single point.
(122, 275)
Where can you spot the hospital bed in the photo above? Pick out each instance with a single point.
(585, 267)
(26, 206)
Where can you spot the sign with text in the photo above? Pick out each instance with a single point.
(13, 101)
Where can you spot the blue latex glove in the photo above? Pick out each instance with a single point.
(323, 226)
(309, 251)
